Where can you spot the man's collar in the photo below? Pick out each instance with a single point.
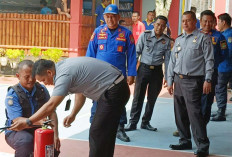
(193, 33)
(26, 91)
(103, 6)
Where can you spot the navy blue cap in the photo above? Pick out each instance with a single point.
(111, 9)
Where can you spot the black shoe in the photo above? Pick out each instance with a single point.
(122, 135)
(148, 127)
(213, 114)
(130, 127)
(218, 118)
(231, 99)
(182, 146)
(199, 153)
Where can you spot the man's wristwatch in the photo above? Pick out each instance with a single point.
(208, 80)
(29, 123)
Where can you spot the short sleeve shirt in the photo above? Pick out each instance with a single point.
(138, 28)
(85, 75)
(46, 10)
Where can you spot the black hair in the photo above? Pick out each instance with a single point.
(121, 21)
(193, 9)
(225, 17)
(41, 66)
(136, 12)
(43, 2)
(209, 13)
(28, 63)
(190, 13)
(149, 12)
(162, 18)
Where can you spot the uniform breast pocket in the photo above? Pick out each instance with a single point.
(120, 46)
(195, 50)
(149, 46)
(163, 47)
(102, 45)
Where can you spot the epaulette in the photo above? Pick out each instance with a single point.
(147, 31)
(203, 32)
(167, 36)
(180, 35)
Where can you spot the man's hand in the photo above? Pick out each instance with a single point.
(57, 143)
(40, 122)
(170, 90)
(165, 83)
(68, 15)
(68, 120)
(130, 80)
(19, 124)
(206, 88)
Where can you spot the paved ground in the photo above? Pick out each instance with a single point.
(143, 143)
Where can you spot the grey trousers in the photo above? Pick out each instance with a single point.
(22, 142)
(187, 105)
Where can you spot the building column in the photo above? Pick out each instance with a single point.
(173, 18)
(75, 29)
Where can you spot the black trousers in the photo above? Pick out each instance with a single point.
(106, 120)
(188, 111)
(151, 78)
(207, 99)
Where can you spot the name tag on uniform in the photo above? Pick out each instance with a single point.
(121, 37)
(120, 48)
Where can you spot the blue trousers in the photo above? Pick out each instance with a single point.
(221, 89)
(123, 118)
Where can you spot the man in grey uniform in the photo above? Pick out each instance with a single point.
(101, 82)
(190, 68)
(154, 48)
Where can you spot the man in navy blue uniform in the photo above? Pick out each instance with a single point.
(224, 68)
(99, 12)
(114, 44)
(207, 20)
(23, 100)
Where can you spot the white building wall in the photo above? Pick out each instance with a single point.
(148, 5)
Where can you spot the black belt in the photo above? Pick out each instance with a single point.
(118, 80)
(152, 67)
(188, 77)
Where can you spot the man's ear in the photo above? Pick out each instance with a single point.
(49, 72)
(17, 75)
(224, 22)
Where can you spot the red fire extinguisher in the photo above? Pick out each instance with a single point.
(44, 142)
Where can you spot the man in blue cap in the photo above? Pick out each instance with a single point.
(114, 44)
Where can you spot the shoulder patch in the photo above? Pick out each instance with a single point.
(167, 36)
(223, 44)
(10, 102)
(92, 37)
(180, 35)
